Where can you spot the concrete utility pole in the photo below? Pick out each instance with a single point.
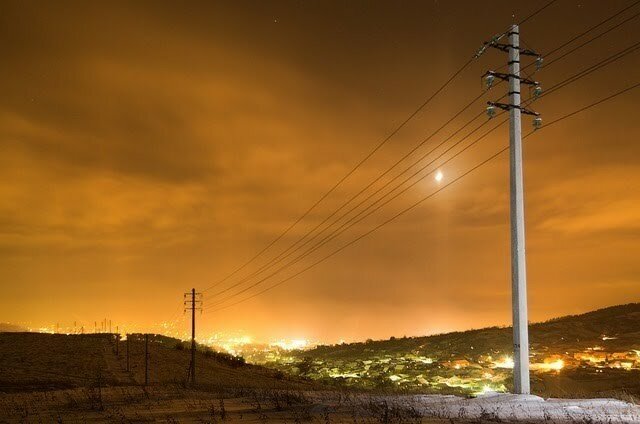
(518, 258)
(192, 305)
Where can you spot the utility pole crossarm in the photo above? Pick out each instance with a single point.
(505, 106)
(505, 77)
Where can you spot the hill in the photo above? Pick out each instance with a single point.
(35, 361)
(596, 353)
(6, 327)
(618, 325)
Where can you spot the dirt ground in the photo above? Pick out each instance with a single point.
(176, 404)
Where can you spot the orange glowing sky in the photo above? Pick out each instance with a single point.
(150, 147)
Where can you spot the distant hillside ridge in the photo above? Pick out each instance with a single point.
(615, 327)
(6, 327)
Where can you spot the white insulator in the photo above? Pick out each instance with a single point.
(537, 91)
(491, 111)
(537, 123)
(489, 79)
(539, 62)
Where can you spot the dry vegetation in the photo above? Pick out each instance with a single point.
(83, 378)
(34, 361)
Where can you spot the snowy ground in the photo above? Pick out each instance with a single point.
(520, 408)
(177, 405)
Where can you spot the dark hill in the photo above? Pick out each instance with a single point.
(30, 361)
(620, 324)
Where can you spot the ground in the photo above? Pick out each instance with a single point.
(176, 404)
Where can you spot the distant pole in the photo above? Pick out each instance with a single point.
(109, 326)
(127, 346)
(193, 336)
(194, 304)
(146, 359)
(117, 344)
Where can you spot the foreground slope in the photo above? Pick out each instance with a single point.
(33, 361)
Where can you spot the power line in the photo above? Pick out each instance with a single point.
(369, 155)
(536, 12)
(609, 60)
(349, 223)
(345, 226)
(284, 254)
(594, 38)
(337, 184)
(414, 205)
(331, 236)
(582, 34)
(278, 258)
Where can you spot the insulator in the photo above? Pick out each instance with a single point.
(491, 111)
(539, 61)
(537, 91)
(537, 123)
(489, 79)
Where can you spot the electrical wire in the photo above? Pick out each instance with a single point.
(419, 202)
(361, 162)
(288, 252)
(350, 223)
(559, 85)
(347, 175)
(278, 258)
(582, 34)
(536, 12)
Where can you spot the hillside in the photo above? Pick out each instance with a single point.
(6, 327)
(620, 324)
(33, 361)
(596, 353)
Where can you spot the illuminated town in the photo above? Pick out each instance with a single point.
(376, 365)
(474, 374)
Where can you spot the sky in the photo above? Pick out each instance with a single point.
(150, 147)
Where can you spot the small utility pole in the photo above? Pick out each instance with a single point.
(127, 346)
(146, 359)
(192, 305)
(518, 258)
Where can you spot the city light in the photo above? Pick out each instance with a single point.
(506, 362)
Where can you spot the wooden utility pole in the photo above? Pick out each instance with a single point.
(128, 340)
(146, 359)
(192, 305)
